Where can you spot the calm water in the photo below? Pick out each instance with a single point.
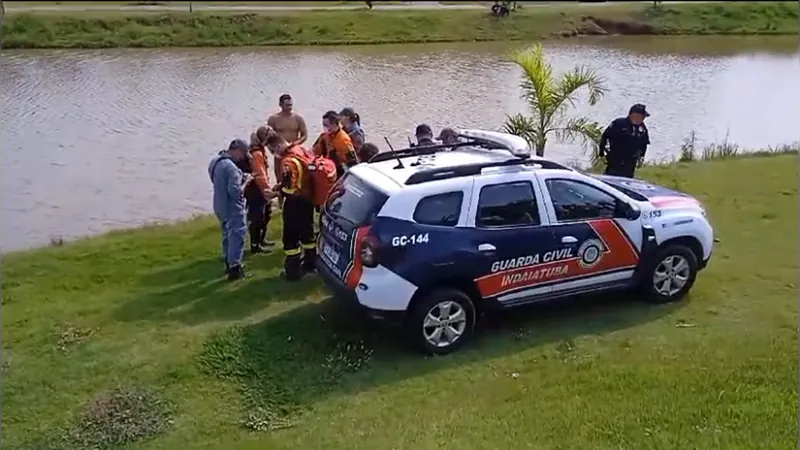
(93, 140)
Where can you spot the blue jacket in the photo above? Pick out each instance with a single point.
(227, 180)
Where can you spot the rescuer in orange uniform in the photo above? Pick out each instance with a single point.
(257, 193)
(335, 143)
(298, 210)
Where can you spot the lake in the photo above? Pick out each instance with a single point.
(102, 139)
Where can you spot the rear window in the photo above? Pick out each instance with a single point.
(355, 201)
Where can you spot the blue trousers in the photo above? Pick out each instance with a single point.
(234, 230)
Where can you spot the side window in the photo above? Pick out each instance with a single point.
(441, 209)
(573, 200)
(507, 204)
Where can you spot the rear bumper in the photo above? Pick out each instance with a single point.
(348, 298)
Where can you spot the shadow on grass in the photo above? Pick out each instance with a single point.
(198, 292)
(287, 363)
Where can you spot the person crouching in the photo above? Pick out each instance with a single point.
(298, 210)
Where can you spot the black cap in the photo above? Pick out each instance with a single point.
(639, 108)
(423, 130)
(238, 144)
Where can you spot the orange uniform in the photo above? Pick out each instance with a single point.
(337, 146)
(259, 167)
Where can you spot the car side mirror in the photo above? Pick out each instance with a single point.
(625, 210)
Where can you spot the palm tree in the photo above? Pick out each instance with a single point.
(549, 98)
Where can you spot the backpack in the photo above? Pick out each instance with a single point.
(320, 175)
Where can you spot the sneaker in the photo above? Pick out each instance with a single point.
(266, 243)
(236, 273)
(254, 249)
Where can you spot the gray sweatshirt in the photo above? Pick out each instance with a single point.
(227, 180)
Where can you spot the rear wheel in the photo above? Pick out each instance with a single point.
(671, 275)
(441, 322)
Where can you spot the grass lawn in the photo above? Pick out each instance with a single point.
(199, 363)
(100, 29)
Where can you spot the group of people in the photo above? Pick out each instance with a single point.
(243, 195)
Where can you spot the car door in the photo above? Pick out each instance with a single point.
(585, 218)
(511, 238)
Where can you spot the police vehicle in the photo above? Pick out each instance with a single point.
(429, 237)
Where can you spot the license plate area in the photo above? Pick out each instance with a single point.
(329, 254)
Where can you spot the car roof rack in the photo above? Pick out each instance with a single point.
(444, 173)
(433, 149)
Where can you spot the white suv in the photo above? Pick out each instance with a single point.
(430, 236)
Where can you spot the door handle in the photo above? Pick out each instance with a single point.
(569, 240)
(486, 248)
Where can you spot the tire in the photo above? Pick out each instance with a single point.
(680, 258)
(432, 303)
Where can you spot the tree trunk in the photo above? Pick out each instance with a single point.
(540, 147)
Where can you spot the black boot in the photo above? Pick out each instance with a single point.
(291, 268)
(236, 273)
(227, 268)
(309, 260)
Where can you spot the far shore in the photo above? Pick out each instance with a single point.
(205, 28)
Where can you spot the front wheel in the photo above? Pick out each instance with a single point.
(441, 322)
(671, 275)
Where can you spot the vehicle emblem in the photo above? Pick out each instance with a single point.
(590, 253)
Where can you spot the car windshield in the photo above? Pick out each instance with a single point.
(355, 201)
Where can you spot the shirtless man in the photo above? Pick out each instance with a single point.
(289, 125)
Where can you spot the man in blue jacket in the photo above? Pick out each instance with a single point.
(229, 204)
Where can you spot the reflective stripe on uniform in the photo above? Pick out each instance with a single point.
(299, 180)
(292, 251)
(310, 246)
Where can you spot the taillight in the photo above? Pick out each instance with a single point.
(369, 251)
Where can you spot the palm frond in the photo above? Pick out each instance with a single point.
(584, 130)
(522, 126)
(537, 82)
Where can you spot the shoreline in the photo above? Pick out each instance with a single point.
(158, 29)
(718, 153)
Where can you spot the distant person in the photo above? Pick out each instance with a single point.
(229, 204)
(335, 144)
(629, 139)
(288, 124)
(424, 135)
(351, 122)
(448, 136)
(369, 5)
(259, 207)
(368, 151)
(299, 244)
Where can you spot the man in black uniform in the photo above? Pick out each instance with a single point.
(629, 140)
